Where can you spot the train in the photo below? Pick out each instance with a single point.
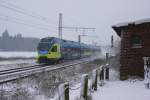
(52, 49)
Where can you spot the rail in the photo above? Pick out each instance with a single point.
(15, 73)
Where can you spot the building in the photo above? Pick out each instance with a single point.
(135, 44)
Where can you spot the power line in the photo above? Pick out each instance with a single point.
(22, 11)
(60, 26)
(29, 25)
(18, 19)
(18, 11)
(80, 28)
(72, 19)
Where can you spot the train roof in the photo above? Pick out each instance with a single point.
(67, 43)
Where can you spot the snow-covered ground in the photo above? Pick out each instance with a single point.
(17, 54)
(116, 90)
(122, 90)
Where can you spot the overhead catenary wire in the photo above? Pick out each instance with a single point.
(25, 21)
(20, 10)
(25, 24)
(17, 9)
(71, 19)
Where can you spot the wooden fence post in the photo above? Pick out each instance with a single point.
(107, 73)
(101, 76)
(84, 87)
(94, 79)
(64, 91)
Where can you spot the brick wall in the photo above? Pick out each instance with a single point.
(131, 59)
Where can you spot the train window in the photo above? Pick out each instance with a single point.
(43, 46)
(54, 49)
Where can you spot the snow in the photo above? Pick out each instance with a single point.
(116, 90)
(142, 21)
(147, 20)
(17, 54)
(61, 91)
(16, 61)
(74, 94)
(122, 24)
(122, 90)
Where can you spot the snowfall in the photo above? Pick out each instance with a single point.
(112, 90)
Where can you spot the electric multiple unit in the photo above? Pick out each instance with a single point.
(51, 49)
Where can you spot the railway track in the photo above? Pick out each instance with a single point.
(20, 72)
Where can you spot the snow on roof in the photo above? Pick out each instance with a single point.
(121, 24)
(134, 22)
(118, 27)
(142, 21)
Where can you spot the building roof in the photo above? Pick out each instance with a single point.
(118, 27)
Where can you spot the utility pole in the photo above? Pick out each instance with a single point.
(79, 40)
(75, 28)
(60, 26)
(112, 41)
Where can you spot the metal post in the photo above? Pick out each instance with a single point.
(79, 39)
(107, 73)
(112, 41)
(60, 26)
(107, 56)
(101, 76)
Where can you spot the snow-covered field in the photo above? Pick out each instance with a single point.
(17, 54)
(16, 59)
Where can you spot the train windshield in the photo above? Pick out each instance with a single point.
(44, 46)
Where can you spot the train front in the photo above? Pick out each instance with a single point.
(48, 50)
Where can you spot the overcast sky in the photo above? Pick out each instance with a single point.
(100, 14)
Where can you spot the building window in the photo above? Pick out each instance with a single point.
(136, 42)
